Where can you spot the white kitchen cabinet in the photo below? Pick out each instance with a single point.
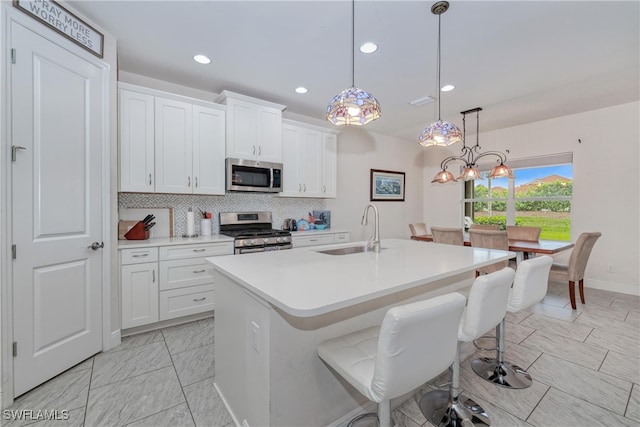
(166, 282)
(189, 148)
(136, 111)
(186, 278)
(253, 128)
(139, 281)
(174, 147)
(309, 160)
(329, 165)
(182, 142)
(316, 238)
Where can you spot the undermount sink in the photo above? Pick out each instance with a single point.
(347, 250)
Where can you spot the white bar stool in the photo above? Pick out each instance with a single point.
(486, 307)
(529, 288)
(415, 343)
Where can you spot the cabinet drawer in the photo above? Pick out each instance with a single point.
(301, 241)
(138, 256)
(341, 237)
(181, 273)
(182, 302)
(199, 250)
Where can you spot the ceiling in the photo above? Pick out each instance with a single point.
(521, 61)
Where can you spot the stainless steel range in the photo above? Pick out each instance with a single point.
(253, 232)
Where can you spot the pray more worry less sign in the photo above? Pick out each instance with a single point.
(64, 22)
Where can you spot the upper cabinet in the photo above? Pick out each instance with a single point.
(137, 173)
(253, 128)
(309, 158)
(170, 143)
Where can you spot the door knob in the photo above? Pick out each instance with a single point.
(95, 246)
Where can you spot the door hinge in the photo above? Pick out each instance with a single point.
(13, 55)
(15, 349)
(14, 251)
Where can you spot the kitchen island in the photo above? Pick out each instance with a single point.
(272, 310)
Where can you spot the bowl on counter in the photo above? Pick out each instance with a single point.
(320, 226)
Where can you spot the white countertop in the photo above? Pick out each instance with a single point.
(305, 283)
(171, 241)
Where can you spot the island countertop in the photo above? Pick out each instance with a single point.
(304, 282)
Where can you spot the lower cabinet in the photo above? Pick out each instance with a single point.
(316, 239)
(178, 283)
(139, 280)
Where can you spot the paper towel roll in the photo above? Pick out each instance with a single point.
(191, 228)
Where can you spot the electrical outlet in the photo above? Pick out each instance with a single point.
(611, 268)
(255, 336)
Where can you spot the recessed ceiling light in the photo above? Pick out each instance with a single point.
(201, 59)
(302, 89)
(447, 88)
(368, 47)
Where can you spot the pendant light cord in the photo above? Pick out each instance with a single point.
(438, 76)
(353, 43)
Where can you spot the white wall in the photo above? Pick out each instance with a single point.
(606, 183)
(359, 151)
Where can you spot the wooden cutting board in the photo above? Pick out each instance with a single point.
(163, 220)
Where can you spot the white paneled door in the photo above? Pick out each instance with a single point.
(57, 119)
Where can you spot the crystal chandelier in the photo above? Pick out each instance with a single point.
(470, 156)
(440, 132)
(353, 106)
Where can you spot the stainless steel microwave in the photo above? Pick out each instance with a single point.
(249, 175)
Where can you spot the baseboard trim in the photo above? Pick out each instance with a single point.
(235, 420)
(114, 340)
(365, 408)
(623, 288)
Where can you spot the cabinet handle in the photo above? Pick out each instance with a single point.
(299, 188)
(200, 299)
(324, 188)
(149, 179)
(153, 272)
(188, 181)
(313, 240)
(196, 182)
(139, 256)
(199, 250)
(199, 271)
(259, 150)
(254, 150)
(305, 187)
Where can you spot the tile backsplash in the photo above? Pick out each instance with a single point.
(280, 207)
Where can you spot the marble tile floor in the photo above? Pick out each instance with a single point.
(585, 364)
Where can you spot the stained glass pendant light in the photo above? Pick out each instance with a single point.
(440, 133)
(470, 155)
(353, 106)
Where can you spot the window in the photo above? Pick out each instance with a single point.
(539, 196)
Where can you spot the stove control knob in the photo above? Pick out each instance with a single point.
(278, 239)
(253, 241)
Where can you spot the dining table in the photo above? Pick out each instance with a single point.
(543, 247)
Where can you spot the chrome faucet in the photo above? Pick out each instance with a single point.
(374, 241)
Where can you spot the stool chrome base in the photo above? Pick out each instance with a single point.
(441, 412)
(504, 374)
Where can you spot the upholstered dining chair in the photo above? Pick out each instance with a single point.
(524, 233)
(418, 229)
(574, 271)
(484, 227)
(490, 239)
(448, 235)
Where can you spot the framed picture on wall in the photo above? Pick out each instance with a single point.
(387, 186)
